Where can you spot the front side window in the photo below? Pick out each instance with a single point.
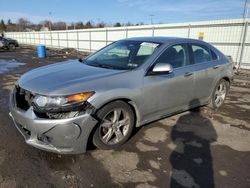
(125, 55)
(200, 54)
(175, 55)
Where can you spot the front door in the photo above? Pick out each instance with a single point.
(171, 92)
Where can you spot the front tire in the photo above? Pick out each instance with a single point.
(219, 94)
(11, 47)
(116, 124)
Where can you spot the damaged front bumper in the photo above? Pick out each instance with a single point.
(64, 136)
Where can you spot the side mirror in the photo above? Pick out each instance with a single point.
(162, 68)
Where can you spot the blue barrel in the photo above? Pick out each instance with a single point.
(41, 51)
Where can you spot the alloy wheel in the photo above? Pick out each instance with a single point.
(115, 126)
(220, 94)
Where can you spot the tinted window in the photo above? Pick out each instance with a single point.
(201, 54)
(175, 55)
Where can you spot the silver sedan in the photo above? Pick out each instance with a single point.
(102, 98)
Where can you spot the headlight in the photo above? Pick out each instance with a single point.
(60, 102)
(43, 101)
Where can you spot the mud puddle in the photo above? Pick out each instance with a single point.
(7, 65)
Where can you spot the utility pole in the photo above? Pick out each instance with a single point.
(246, 8)
(50, 21)
(50, 28)
(151, 18)
(244, 32)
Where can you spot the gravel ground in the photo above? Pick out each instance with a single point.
(200, 148)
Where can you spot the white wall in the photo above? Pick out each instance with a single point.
(226, 35)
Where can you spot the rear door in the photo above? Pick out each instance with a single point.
(206, 68)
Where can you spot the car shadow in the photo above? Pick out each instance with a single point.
(191, 160)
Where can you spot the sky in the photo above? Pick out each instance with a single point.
(112, 11)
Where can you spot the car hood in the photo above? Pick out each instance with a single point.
(49, 79)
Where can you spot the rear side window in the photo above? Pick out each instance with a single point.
(201, 54)
(214, 55)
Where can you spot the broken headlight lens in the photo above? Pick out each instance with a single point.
(47, 102)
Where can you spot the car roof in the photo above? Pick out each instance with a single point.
(162, 39)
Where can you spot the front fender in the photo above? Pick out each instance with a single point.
(133, 96)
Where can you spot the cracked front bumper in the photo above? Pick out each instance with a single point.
(64, 136)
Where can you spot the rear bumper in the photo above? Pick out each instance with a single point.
(64, 136)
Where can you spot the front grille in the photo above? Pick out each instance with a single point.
(23, 98)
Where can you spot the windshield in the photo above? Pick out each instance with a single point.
(125, 55)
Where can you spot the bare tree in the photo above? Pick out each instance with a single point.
(59, 25)
(100, 25)
(128, 24)
(45, 23)
(140, 23)
(10, 26)
(22, 24)
(79, 25)
(2, 26)
(89, 24)
(117, 24)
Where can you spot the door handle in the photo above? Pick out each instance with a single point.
(188, 74)
(216, 66)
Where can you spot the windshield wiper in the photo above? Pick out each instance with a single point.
(104, 66)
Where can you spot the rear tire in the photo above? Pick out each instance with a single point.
(116, 124)
(219, 94)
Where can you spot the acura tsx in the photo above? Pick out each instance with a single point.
(102, 98)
